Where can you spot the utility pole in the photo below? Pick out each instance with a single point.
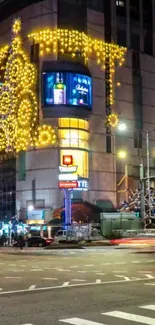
(142, 189)
(148, 171)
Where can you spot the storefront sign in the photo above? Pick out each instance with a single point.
(82, 185)
(68, 185)
(35, 215)
(68, 169)
(67, 160)
(68, 177)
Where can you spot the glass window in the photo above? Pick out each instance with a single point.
(134, 9)
(97, 5)
(74, 138)
(121, 38)
(64, 122)
(74, 123)
(80, 158)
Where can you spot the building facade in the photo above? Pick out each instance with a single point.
(81, 127)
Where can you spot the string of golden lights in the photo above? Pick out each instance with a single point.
(18, 104)
(19, 129)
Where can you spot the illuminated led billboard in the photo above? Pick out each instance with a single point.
(67, 88)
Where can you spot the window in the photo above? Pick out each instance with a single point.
(148, 26)
(121, 8)
(73, 138)
(134, 9)
(119, 3)
(80, 159)
(121, 38)
(73, 123)
(97, 5)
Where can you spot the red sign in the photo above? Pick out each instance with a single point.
(68, 184)
(67, 160)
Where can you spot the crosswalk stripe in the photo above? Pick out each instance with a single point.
(148, 307)
(79, 321)
(131, 317)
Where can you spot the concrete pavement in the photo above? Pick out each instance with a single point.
(86, 306)
(22, 272)
(93, 289)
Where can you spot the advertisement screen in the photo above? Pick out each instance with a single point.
(67, 88)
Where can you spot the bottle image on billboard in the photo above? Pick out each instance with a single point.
(59, 90)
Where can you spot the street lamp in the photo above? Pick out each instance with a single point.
(30, 208)
(121, 126)
(122, 154)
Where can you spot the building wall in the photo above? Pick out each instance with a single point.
(42, 165)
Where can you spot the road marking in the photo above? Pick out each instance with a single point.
(131, 317)
(73, 267)
(72, 285)
(149, 284)
(100, 273)
(13, 277)
(80, 280)
(49, 278)
(149, 276)
(106, 263)
(32, 287)
(120, 263)
(36, 270)
(148, 307)
(120, 271)
(65, 284)
(79, 321)
(126, 278)
(82, 271)
(98, 281)
(62, 270)
(135, 262)
(144, 272)
(88, 265)
(12, 264)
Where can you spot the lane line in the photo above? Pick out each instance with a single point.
(79, 321)
(36, 270)
(65, 284)
(149, 276)
(89, 265)
(131, 317)
(80, 280)
(32, 287)
(13, 277)
(72, 285)
(126, 278)
(120, 271)
(98, 281)
(73, 267)
(148, 307)
(100, 273)
(49, 279)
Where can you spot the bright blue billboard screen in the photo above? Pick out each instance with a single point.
(67, 88)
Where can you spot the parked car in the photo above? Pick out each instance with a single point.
(37, 241)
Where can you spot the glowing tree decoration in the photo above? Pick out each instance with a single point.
(18, 104)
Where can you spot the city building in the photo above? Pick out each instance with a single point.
(65, 71)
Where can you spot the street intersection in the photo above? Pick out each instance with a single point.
(109, 287)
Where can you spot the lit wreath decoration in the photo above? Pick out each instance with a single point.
(112, 120)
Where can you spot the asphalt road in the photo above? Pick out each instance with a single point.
(79, 289)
